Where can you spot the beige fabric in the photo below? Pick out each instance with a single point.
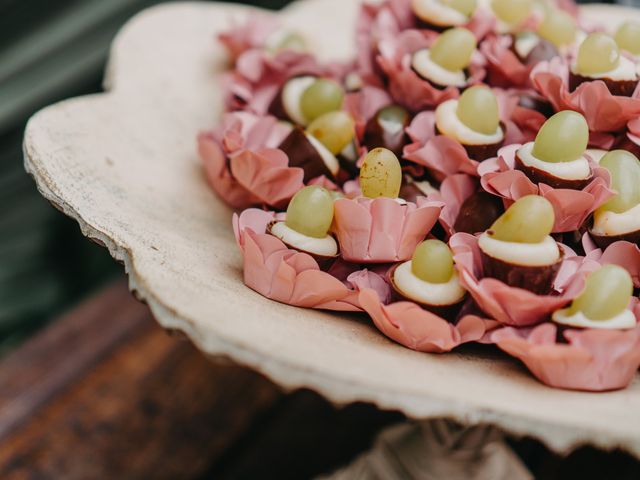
(437, 450)
(124, 165)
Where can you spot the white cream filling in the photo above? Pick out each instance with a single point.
(437, 294)
(353, 82)
(523, 254)
(327, 246)
(436, 13)
(291, 94)
(626, 70)
(328, 158)
(578, 169)
(611, 223)
(427, 68)
(622, 321)
(525, 43)
(450, 125)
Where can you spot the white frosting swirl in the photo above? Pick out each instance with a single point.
(437, 294)
(622, 321)
(427, 68)
(326, 247)
(578, 169)
(626, 70)
(291, 94)
(450, 125)
(611, 223)
(540, 254)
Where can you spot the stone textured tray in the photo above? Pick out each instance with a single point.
(123, 164)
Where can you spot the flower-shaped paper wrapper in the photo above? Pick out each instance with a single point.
(253, 33)
(382, 230)
(623, 254)
(510, 305)
(592, 360)
(453, 192)
(418, 329)
(242, 165)
(404, 85)
(604, 112)
(572, 207)
(504, 68)
(288, 276)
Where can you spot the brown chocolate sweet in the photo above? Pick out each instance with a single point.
(448, 312)
(621, 88)
(540, 176)
(478, 212)
(302, 153)
(324, 261)
(603, 241)
(538, 280)
(480, 153)
(387, 129)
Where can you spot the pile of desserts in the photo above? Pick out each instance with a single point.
(472, 176)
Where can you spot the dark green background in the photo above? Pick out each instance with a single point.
(49, 50)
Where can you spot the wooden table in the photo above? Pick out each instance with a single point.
(105, 393)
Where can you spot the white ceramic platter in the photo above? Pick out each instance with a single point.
(124, 165)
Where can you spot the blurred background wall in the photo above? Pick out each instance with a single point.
(50, 50)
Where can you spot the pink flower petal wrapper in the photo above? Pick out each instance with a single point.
(376, 22)
(604, 112)
(572, 207)
(253, 33)
(453, 192)
(504, 68)
(508, 305)
(382, 230)
(259, 75)
(623, 254)
(440, 155)
(285, 275)
(592, 360)
(418, 329)
(240, 165)
(364, 104)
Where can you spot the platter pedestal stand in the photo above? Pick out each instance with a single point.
(437, 449)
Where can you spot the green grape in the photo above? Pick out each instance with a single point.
(528, 220)
(562, 138)
(624, 168)
(512, 11)
(466, 7)
(432, 262)
(310, 212)
(478, 110)
(322, 96)
(291, 41)
(380, 175)
(607, 293)
(628, 37)
(597, 54)
(558, 27)
(334, 130)
(453, 49)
